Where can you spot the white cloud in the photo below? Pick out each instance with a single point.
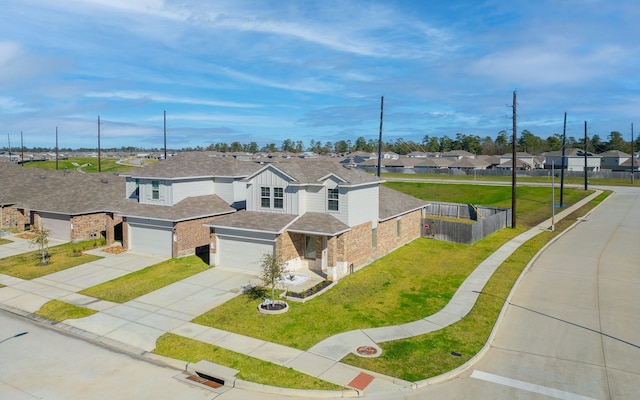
(159, 98)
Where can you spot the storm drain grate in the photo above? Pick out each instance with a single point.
(212, 383)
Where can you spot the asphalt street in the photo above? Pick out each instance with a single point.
(37, 362)
(572, 328)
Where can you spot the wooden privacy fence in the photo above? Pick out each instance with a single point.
(486, 220)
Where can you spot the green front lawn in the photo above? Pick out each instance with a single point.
(26, 266)
(429, 355)
(136, 284)
(251, 369)
(59, 311)
(417, 279)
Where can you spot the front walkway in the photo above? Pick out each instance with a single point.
(137, 324)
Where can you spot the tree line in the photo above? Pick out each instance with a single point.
(526, 142)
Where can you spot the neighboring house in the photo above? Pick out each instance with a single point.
(525, 161)
(318, 215)
(613, 159)
(469, 164)
(167, 203)
(456, 154)
(71, 205)
(433, 163)
(573, 160)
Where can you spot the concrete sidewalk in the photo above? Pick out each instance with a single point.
(137, 324)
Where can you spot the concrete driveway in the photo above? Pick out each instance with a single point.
(30, 295)
(21, 246)
(140, 322)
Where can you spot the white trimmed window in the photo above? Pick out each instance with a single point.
(265, 197)
(155, 190)
(332, 199)
(278, 198)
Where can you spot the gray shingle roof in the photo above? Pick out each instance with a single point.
(310, 171)
(393, 203)
(254, 221)
(74, 193)
(189, 208)
(318, 223)
(66, 192)
(195, 164)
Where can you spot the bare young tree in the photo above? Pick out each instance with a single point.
(272, 270)
(41, 239)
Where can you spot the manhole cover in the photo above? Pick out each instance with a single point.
(366, 350)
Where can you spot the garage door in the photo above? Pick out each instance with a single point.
(243, 254)
(156, 240)
(59, 226)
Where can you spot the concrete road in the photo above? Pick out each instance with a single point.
(45, 364)
(572, 330)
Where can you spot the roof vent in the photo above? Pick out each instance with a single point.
(104, 180)
(43, 177)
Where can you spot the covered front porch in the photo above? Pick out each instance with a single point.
(313, 242)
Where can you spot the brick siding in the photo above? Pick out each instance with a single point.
(13, 218)
(191, 234)
(88, 226)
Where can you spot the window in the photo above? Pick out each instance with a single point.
(155, 190)
(332, 198)
(398, 227)
(374, 237)
(265, 197)
(278, 198)
(310, 247)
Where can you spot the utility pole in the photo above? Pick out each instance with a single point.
(513, 166)
(56, 148)
(632, 167)
(586, 182)
(22, 148)
(9, 140)
(564, 141)
(165, 134)
(380, 135)
(99, 155)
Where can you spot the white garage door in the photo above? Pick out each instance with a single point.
(59, 226)
(243, 254)
(150, 239)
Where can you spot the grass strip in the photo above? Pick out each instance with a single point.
(136, 284)
(429, 355)
(25, 266)
(251, 369)
(507, 179)
(59, 311)
(5, 241)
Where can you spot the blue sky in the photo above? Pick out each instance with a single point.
(266, 71)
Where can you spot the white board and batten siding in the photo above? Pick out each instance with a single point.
(361, 205)
(58, 225)
(182, 189)
(150, 236)
(224, 188)
(272, 179)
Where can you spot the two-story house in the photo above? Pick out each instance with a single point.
(167, 203)
(315, 214)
